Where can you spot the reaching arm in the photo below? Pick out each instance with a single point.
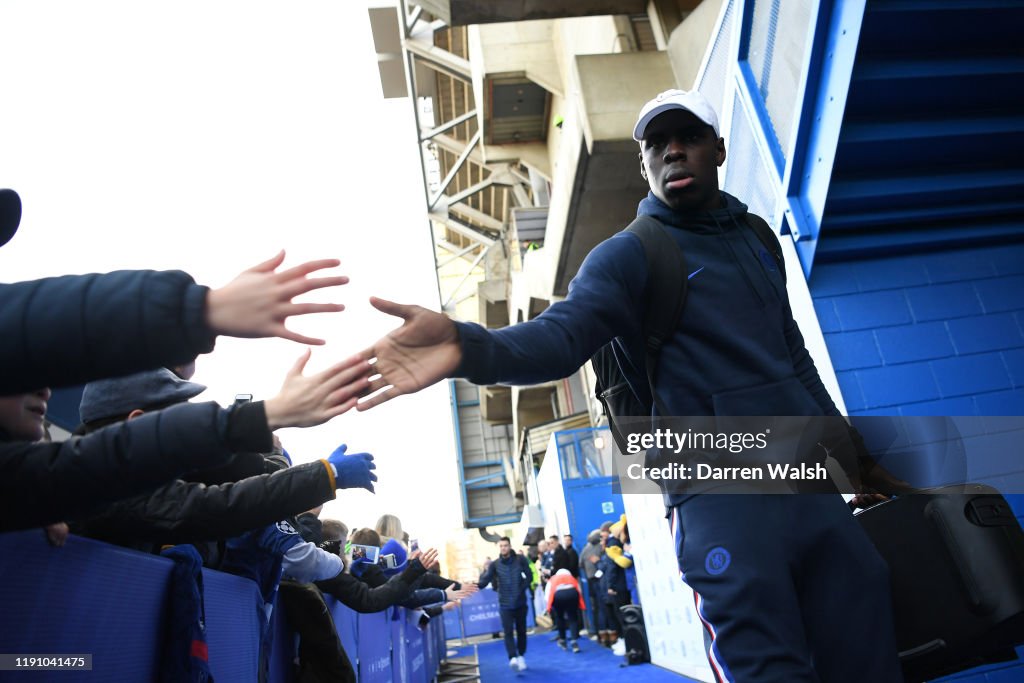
(486, 577)
(421, 597)
(76, 328)
(357, 595)
(840, 439)
(430, 580)
(803, 364)
(47, 482)
(186, 512)
(304, 562)
(429, 346)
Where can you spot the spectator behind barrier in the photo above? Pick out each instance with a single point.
(335, 536)
(389, 526)
(189, 512)
(545, 558)
(591, 555)
(278, 551)
(613, 588)
(44, 483)
(429, 589)
(573, 556)
(72, 329)
(559, 557)
(321, 655)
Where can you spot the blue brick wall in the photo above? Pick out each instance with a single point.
(930, 334)
(924, 333)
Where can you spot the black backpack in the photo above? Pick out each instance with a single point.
(666, 267)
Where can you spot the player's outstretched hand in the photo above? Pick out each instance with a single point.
(424, 350)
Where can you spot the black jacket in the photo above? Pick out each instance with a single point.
(43, 483)
(561, 560)
(69, 330)
(574, 561)
(613, 576)
(512, 576)
(373, 575)
(189, 512)
(432, 580)
(360, 596)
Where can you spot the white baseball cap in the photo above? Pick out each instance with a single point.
(691, 101)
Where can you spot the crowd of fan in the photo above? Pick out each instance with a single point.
(604, 569)
(203, 485)
(549, 578)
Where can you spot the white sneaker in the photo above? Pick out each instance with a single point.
(521, 662)
(513, 663)
(619, 648)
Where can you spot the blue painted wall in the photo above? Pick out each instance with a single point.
(929, 334)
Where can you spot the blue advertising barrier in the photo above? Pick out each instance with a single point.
(374, 651)
(399, 646)
(415, 649)
(346, 625)
(481, 614)
(453, 623)
(91, 597)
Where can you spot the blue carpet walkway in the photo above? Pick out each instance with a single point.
(547, 662)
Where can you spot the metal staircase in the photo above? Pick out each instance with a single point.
(931, 150)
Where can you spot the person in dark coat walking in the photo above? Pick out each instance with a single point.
(512, 574)
(574, 558)
(592, 553)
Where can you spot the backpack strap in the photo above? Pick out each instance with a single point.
(666, 291)
(769, 239)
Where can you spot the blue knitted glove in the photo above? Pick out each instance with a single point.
(352, 471)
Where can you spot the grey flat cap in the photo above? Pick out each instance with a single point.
(120, 396)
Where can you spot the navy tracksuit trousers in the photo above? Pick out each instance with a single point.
(789, 588)
(514, 617)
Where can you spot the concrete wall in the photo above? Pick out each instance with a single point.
(613, 88)
(518, 47)
(689, 42)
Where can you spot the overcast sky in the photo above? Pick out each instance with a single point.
(205, 136)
